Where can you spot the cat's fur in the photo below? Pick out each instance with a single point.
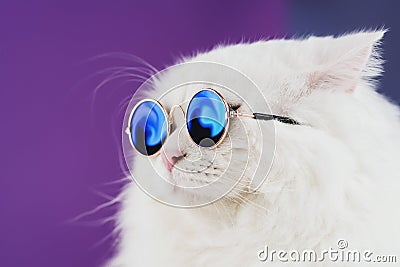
(336, 177)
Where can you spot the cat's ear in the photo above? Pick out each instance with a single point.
(346, 60)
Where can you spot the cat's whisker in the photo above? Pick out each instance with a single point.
(233, 200)
(242, 184)
(124, 56)
(118, 181)
(97, 223)
(236, 183)
(102, 194)
(113, 77)
(124, 103)
(237, 192)
(248, 201)
(104, 239)
(128, 70)
(108, 80)
(96, 209)
(142, 70)
(218, 211)
(226, 211)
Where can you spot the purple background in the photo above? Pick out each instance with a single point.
(60, 142)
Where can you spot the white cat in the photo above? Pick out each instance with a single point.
(336, 176)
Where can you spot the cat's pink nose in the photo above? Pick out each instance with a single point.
(170, 161)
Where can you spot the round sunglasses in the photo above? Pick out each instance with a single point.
(207, 122)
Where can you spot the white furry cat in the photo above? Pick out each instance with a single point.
(336, 176)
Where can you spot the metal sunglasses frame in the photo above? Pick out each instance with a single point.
(230, 113)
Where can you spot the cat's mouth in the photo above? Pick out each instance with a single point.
(187, 175)
(188, 165)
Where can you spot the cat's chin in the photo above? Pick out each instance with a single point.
(188, 183)
(204, 191)
(191, 197)
(195, 199)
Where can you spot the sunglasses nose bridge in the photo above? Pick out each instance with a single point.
(171, 113)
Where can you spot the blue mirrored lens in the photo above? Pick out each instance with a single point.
(149, 127)
(206, 118)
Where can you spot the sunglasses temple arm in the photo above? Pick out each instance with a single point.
(268, 117)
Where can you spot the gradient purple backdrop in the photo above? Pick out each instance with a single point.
(58, 146)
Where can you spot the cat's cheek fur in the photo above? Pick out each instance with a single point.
(335, 177)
